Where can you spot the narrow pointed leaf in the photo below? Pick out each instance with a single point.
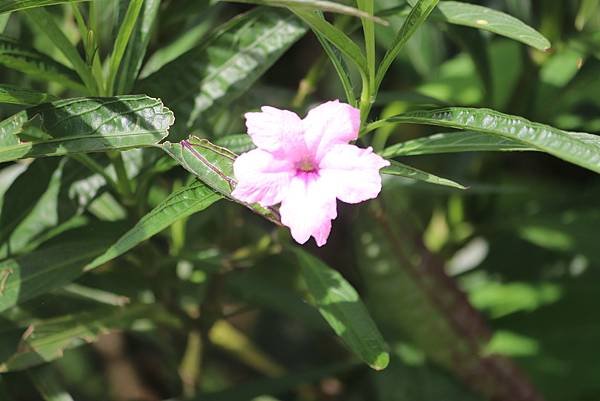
(322, 5)
(28, 222)
(403, 170)
(213, 165)
(125, 30)
(340, 67)
(38, 66)
(14, 5)
(136, 49)
(480, 17)
(340, 305)
(24, 193)
(46, 340)
(84, 125)
(452, 142)
(45, 22)
(15, 95)
(417, 16)
(188, 200)
(38, 272)
(219, 70)
(334, 35)
(542, 137)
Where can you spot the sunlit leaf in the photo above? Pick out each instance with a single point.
(136, 49)
(84, 125)
(342, 308)
(477, 16)
(403, 170)
(213, 165)
(188, 200)
(539, 136)
(451, 142)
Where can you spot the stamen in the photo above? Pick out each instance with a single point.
(306, 165)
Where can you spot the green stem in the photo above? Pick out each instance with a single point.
(123, 182)
(308, 84)
(365, 100)
(369, 35)
(89, 43)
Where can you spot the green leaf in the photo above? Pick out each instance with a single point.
(46, 340)
(187, 40)
(14, 5)
(84, 125)
(216, 72)
(38, 66)
(45, 22)
(188, 200)
(24, 194)
(54, 265)
(340, 305)
(403, 170)
(417, 16)
(339, 64)
(339, 39)
(476, 16)
(236, 143)
(214, 166)
(539, 136)
(72, 188)
(484, 18)
(321, 5)
(136, 50)
(125, 31)
(452, 142)
(15, 95)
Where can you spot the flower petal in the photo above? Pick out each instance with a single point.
(329, 124)
(352, 173)
(308, 208)
(261, 177)
(277, 131)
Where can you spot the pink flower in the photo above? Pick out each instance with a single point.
(305, 165)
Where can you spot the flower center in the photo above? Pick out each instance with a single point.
(306, 165)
